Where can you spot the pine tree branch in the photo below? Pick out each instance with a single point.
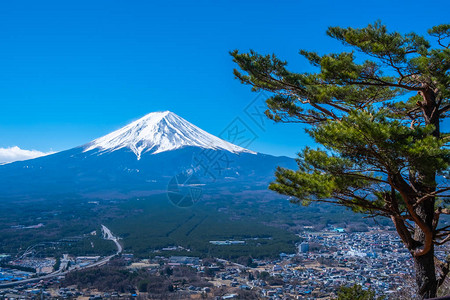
(427, 196)
(444, 109)
(406, 192)
(382, 83)
(443, 241)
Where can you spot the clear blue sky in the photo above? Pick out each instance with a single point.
(72, 71)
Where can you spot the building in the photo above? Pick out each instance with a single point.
(4, 257)
(303, 248)
(184, 260)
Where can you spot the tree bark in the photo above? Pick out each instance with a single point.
(426, 183)
(426, 275)
(425, 271)
(424, 264)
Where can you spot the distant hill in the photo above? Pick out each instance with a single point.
(159, 181)
(142, 158)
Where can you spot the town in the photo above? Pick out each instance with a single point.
(325, 261)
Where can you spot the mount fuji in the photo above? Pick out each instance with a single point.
(159, 132)
(141, 159)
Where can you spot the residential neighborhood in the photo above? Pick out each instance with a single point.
(325, 261)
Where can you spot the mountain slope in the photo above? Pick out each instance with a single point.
(140, 159)
(159, 132)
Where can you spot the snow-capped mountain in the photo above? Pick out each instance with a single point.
(141, 158)
(159, 132)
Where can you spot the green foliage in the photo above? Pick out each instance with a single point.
(119, 279)
(263, 275)
(153, 223)
(376, 112)
(363, 142)
(67, 224)
(356, 292)
(193, 229)
(20, 268)
(57, 264)
(168, 271)
(142, 286)
(377, 119)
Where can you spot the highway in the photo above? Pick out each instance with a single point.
(107, 234)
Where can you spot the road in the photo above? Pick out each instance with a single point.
(107, 234)
(232, 263)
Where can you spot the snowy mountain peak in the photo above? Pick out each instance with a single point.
(159, 132)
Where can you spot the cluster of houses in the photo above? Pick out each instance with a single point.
(7, 275)
(40, 265)
(331, 258)
(325, 261)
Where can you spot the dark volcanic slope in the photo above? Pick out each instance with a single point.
(75, 172)
(141, 158)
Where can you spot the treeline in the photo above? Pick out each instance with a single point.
(62, 218)
(116, 278)
(151, 228)
(20, 268)
(109, 278)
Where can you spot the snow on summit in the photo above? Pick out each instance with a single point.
(159, 132)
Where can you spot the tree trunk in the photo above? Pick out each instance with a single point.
(424, 264)
(426, 183)
(425, 275)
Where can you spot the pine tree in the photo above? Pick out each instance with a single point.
(356, 292)
(376, 113)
